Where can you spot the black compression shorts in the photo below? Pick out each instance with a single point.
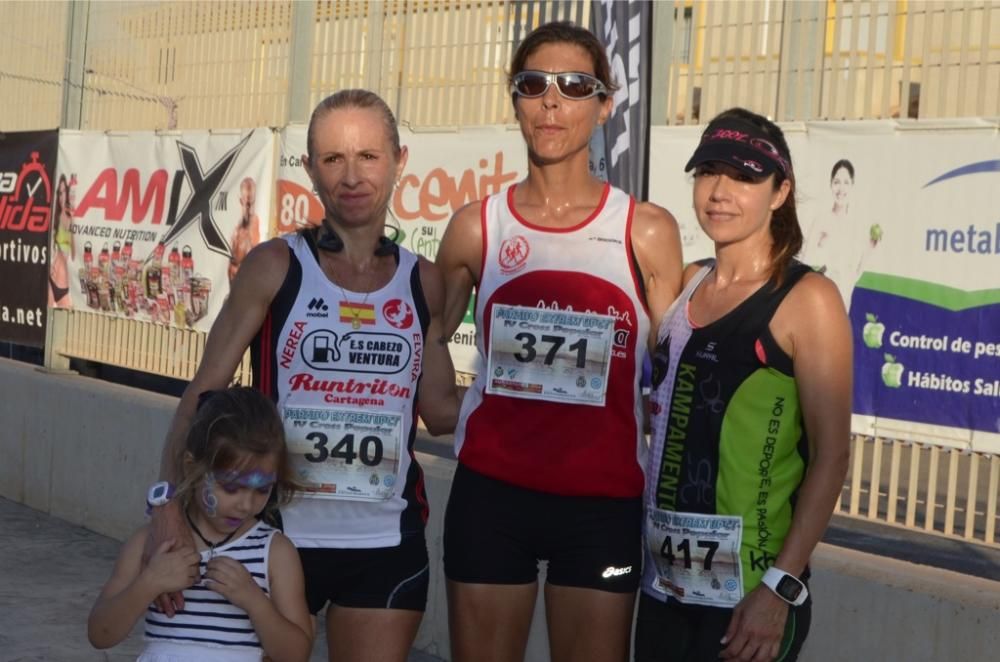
(374, 578)
(495, 533)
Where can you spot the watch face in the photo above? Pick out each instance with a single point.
(789, 588)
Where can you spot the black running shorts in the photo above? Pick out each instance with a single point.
(374, 578)
(495, 533)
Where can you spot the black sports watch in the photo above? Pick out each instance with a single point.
(787, 587)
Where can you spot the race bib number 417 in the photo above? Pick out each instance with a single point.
(696, 557)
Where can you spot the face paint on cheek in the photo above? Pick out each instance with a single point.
(208, 499)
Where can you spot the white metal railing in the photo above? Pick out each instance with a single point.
(945, 491)
(145, 346)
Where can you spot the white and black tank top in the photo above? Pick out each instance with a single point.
(343, 368)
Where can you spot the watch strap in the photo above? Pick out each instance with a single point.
(773, 577)
(168, 491)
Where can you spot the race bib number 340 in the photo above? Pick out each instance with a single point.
(344, 454)
(697, 557)
(554, 355)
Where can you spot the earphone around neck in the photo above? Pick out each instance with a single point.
(329, 240)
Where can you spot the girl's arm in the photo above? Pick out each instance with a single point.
(131, 588)
(282, 622)
(290, 636)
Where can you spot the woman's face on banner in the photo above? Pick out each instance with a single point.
(841, 185)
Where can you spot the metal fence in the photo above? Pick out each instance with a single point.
(144, 346)
(230, 63)
(832, 60)
(944, 491)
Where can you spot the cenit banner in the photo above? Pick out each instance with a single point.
(624, 28)
(444, 172)
(27, 191)
(903, 216)
(159, 223)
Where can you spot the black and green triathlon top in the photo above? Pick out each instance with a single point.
(727, 440)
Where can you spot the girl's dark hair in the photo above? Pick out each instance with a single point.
(564, 32)
(230, 424)
(354, 99)
(846, 165)
(786, 234)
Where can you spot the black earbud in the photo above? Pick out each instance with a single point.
(386, 246)
(329, 240)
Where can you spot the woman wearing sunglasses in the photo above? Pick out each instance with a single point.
(568, 272)
(751, 412)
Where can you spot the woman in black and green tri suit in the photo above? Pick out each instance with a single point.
(751, 417)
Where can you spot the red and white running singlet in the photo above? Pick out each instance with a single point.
(562, 327)
(343, 368)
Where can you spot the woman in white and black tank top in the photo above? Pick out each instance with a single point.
(345, 334)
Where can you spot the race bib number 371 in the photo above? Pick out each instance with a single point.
(344, 454)
(554, 355)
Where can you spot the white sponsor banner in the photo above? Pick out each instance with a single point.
(161, 221)
(903, 216)
(445, 171)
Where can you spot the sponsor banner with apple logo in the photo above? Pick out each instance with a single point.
(926, 354)
(444, 172)
(925, 308)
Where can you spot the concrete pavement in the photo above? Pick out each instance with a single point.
(50, 574)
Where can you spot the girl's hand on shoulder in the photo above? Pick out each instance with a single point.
(171, 569)
(229, 578)
(756, 627)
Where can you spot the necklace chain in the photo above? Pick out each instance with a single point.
(211, 545)
(355, 313)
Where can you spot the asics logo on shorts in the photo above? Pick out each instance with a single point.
(612, 571)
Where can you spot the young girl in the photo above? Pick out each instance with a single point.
(243, 590)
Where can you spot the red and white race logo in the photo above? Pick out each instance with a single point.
(398, 313)
(513, 253)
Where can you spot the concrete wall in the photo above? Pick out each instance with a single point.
(85, 451)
